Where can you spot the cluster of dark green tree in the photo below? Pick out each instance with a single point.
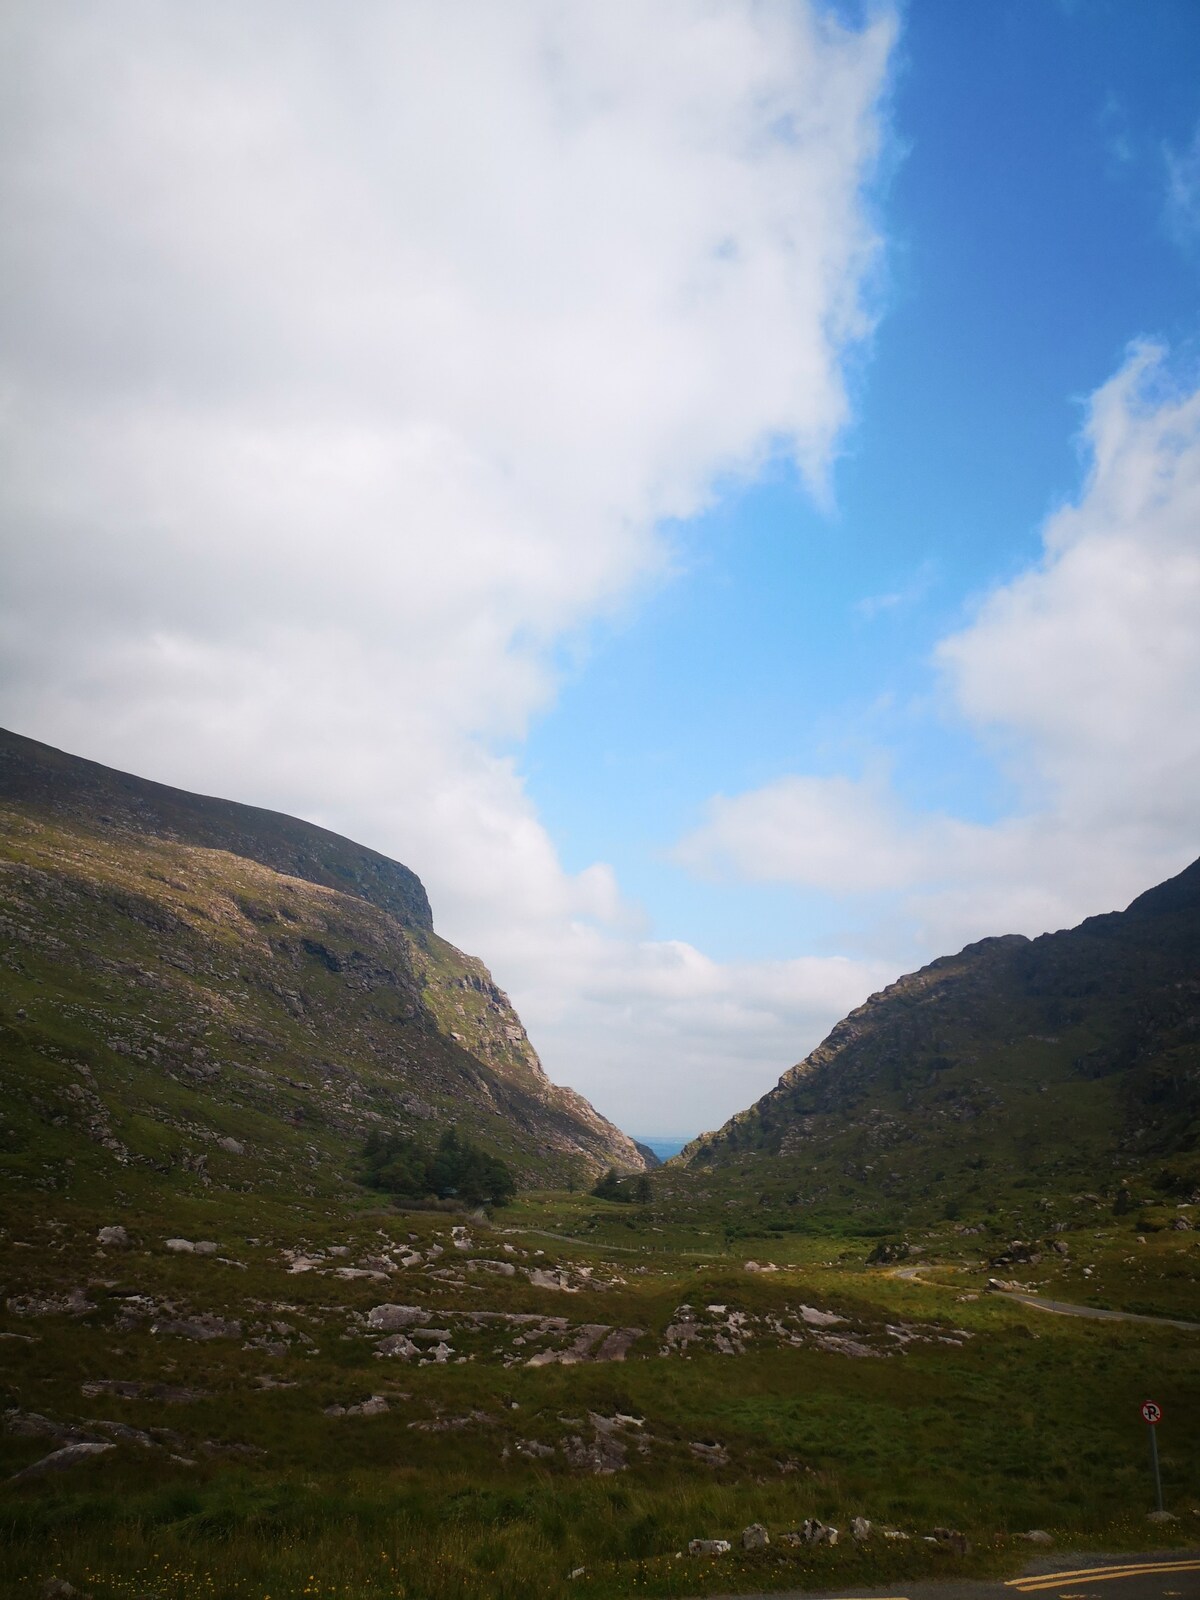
(632, 1191)
(456, 1170)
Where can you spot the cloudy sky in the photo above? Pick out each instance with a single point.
(714, 486)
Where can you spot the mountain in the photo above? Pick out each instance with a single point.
(237, 998)
(1070, 1060)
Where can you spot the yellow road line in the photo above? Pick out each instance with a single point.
(1141, 1569)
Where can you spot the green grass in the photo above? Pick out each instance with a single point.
(1031, 1421)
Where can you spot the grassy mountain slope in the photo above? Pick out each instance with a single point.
(177, 971)
(1067, 1062)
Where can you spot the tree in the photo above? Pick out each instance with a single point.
(609, 1186)
(457, 1168)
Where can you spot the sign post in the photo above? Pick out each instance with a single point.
(1152, 1414)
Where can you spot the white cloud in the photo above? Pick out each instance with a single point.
(1084, 670)
(352, 357)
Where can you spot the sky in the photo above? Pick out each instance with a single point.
(714, 487)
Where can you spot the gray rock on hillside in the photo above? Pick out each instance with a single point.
(393, 1319)
(59, 1460)
(755, 1537)
(115, 1237)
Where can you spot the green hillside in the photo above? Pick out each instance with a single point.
(1018, 1073)
(213, 995)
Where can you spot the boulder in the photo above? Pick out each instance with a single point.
(181, 1247)
(397, 1344)
(813, 1531)
(755, 1537)
(860, 1529)
(116, 1238)
(391, 1319)
(712, 1454)
(709, 1547)
(951, 1540)
(205, 1247)
(59, 1460)
(1036, 1536)
(231, 1146)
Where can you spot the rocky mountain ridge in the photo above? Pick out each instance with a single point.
(1070, 1058)
(235, 997)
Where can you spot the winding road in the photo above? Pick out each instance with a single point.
(1061, 1308)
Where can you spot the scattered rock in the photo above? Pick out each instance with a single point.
(32, 1425)
(813, 1531)
(709, 1547)
(712, 1454)
(303, 1263)
(128, 1389)
(116, 1237)
(551, 1278)
(59, 1460)
(605, 1453)
(841, 1344)
(201, 1327)
(755, 1537)
(231, 1146)
(860, 1529)
(390, 1319)
(181, 1247)
(378, 1264)
(950, 1539)
(74, 1303)
(456, 1425)
(503, 1269)
(1161, 1516)
(1036, 1536)
(397, 1344)
(887, 1252)
(536, 1451)
(819, 1319)
(60, 1589)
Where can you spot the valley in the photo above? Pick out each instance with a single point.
(233, 1364)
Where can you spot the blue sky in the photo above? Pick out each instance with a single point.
(1029, 240)
(714, 487)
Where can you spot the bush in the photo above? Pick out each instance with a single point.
(456, 1169)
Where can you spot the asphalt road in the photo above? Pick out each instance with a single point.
(1062, 1308)
(1164, 1575)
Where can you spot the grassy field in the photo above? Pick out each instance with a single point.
(822, 1389)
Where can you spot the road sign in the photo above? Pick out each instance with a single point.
(1152, 1413)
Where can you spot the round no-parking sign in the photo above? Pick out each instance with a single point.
(1152, 1412)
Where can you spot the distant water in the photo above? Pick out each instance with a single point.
(664, 1145)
